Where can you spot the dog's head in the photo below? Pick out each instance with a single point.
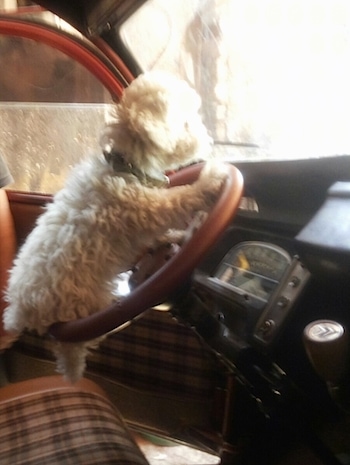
(157, 125)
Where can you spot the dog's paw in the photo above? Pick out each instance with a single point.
(172, 236)
(212, 178)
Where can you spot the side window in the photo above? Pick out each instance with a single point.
(51, 112)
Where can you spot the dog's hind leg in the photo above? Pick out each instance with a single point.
(71, 359)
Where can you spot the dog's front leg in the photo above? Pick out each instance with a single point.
(176, 207)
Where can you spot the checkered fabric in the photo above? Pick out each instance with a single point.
(154, 354)
(64, 427)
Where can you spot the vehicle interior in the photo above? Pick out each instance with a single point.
(242, 356)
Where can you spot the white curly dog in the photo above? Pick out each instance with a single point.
(111, 209)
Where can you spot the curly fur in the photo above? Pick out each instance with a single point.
(100, 223)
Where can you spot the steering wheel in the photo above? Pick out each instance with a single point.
(169, 277)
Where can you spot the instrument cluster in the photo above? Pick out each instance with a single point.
(253, 291)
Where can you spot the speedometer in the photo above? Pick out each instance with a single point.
(253, 268)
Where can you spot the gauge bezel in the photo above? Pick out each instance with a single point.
(247, 279)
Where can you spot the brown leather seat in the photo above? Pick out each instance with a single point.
(7, 247)
(46, 420)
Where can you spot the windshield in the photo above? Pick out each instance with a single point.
(273, 75)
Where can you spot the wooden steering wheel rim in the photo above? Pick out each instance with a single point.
(170, 276)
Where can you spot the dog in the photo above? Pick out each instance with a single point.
(112, 208)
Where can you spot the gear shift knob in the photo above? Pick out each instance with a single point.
(327, 346)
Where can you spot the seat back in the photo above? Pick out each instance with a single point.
(8, 246)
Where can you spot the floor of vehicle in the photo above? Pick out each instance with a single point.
(167, 453)
(175, 454)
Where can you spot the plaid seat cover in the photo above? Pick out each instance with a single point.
(64, 427)
(157, 354)
(154, 354)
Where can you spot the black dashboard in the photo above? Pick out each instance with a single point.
(275, 250)
(283, 264)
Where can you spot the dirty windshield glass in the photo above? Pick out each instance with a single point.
(273, 75)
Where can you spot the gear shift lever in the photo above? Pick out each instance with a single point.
(327, 346)
(326, 343)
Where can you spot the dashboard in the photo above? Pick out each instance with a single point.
(278, 259)
(281, 266)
